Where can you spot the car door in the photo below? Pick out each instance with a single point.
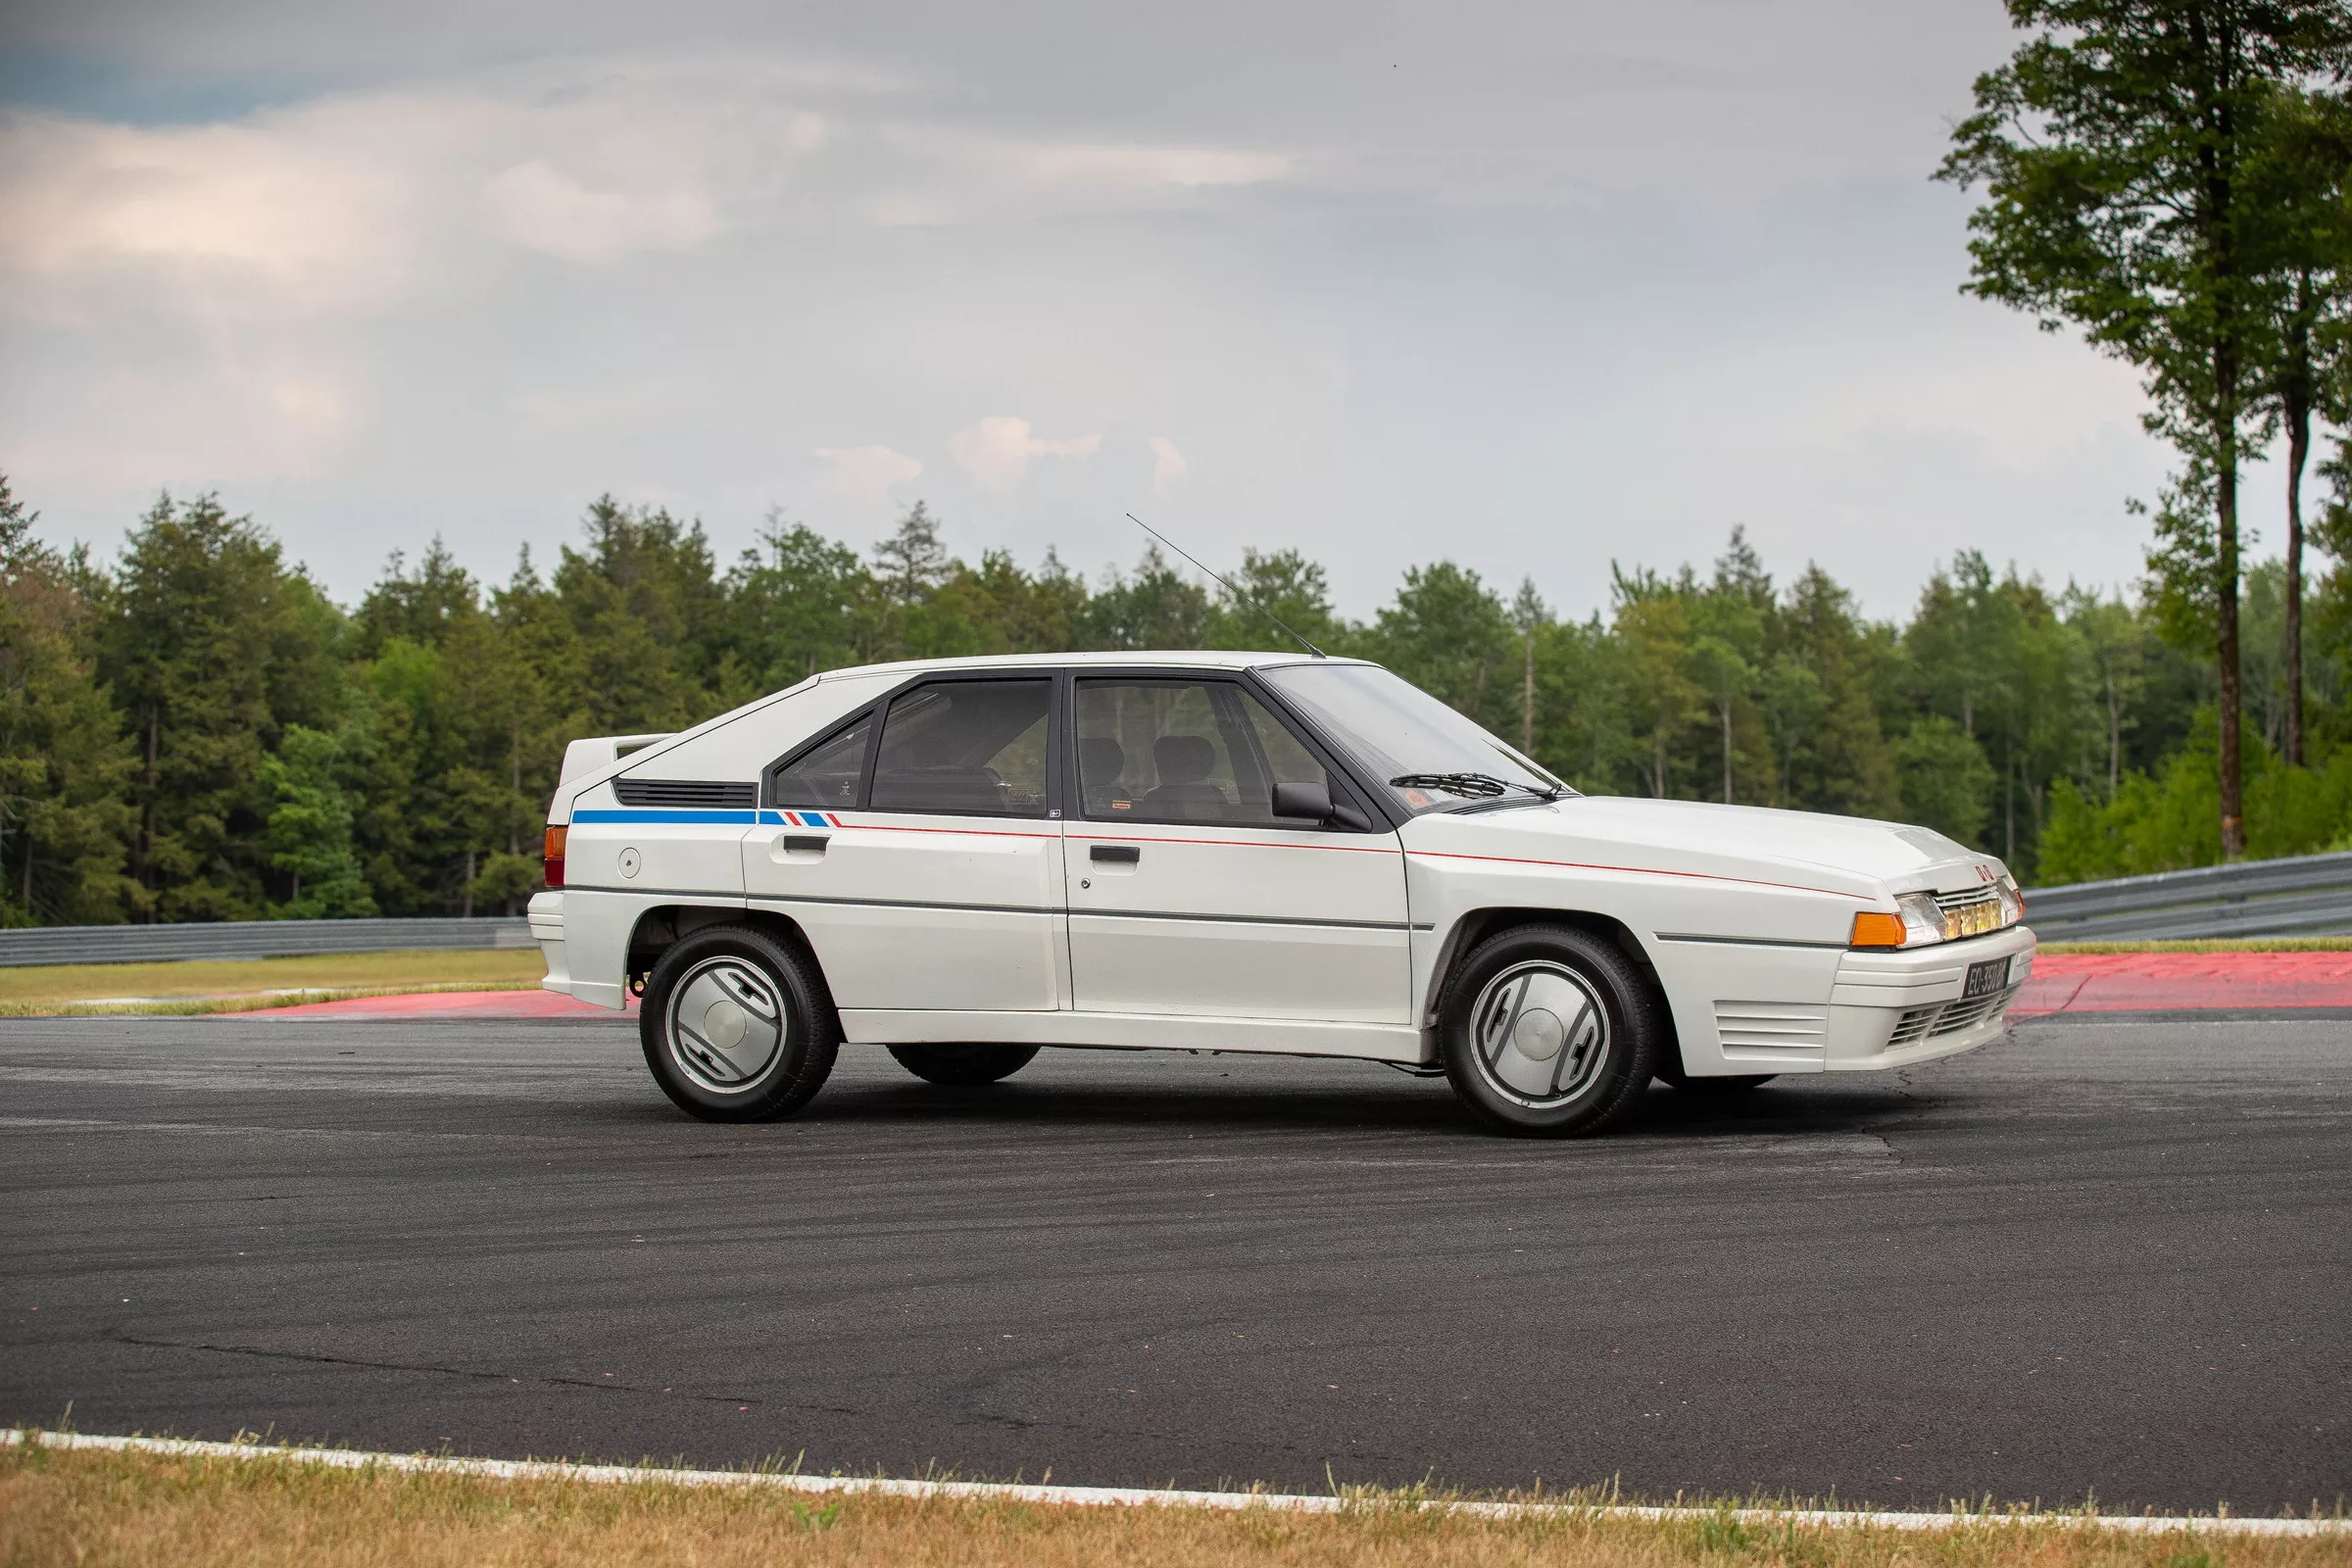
(917, 845)
(1188, 896)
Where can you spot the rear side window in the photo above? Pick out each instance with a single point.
(826, 775)
(965, 748)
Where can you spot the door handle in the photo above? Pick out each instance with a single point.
(805, 843)
(1116, 854)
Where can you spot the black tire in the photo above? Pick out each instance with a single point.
(963, 1066)
(725, 1067)
(1600, 1059)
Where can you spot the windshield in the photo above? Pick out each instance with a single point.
(1401, 732)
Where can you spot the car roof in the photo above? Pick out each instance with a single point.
(1158, 658)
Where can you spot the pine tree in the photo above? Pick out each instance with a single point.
(64, 761)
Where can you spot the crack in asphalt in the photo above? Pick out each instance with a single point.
(316, 1359)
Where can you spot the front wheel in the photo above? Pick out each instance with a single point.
(963, 1066)
(737, 1026)
(1548, 1031)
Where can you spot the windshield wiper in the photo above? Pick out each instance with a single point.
(1477, 786)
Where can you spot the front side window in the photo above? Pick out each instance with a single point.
(1185, 751)
(965, 748)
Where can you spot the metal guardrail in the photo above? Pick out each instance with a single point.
(254, 939)
(2310, 895)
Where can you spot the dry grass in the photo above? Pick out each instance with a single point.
(2247, 944)
(207, 985)
(2236, 945)
(96, 1509)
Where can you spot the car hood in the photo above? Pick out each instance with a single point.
(1849, 854)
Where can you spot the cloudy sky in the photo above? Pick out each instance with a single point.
(1529, 285)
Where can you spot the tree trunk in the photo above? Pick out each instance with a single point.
(1727, 751)
(1526, 700)
(146, 843)
(2009, 804)
(1657, 765)
(2298, 449)
(2115, 740)
(2233, 813)
(468, 908)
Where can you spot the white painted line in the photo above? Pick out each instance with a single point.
(1137, 1496)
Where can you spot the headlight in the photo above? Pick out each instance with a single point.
(1920, 920)
(1923, 922)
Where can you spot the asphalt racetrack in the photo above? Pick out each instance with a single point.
(2107, 1259)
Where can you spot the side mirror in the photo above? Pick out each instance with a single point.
(1310, 801)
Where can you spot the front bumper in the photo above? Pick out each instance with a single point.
(1892, 1010)
(547, 929)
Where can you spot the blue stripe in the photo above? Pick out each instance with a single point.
(708, 819)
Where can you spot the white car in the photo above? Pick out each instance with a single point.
(967, 859)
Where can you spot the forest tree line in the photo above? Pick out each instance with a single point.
(196, 731)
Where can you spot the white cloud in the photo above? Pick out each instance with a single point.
(997, 451)
(1169, 465)
(866, 473)
(548, 209)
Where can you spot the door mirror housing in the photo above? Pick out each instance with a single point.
(1310, 801)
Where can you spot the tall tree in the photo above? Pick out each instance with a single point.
(2297, 184)
(212, 646)
(2114, 149)
(65, 762)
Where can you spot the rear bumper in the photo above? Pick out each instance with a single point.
(547, 929)
(1893, 1010)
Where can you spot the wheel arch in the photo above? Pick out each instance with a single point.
(661, 927)
(1476, 925)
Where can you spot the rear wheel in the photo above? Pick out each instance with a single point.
(737, 1026)
(963, 1066)
(1548, 1031)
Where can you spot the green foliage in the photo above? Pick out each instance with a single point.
(212, 647)
(64, 761)
(1947, 784)
(195, 733)
(309, 829)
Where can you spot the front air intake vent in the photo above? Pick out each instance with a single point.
(687, 793)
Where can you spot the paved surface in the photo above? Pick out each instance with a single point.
(2107, 1257)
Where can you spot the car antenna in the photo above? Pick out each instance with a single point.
(1229, 587)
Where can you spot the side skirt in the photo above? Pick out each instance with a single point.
(1138, 1031)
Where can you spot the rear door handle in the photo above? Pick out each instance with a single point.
(1116, 854)
(805, 843)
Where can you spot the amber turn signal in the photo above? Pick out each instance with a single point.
(1871, 928)
(553, 853)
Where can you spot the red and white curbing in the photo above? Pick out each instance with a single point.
(1145, 1496)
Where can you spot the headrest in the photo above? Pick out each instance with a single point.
(1183, 759)
(1100, 759)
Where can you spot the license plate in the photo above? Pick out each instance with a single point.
(1983, 979)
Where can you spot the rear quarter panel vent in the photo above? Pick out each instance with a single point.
(689, 793)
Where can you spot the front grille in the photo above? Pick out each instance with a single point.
(1971, 913)
(1950, 1017)
(689, 793)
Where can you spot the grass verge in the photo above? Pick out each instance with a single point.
(100, 1508)
(2234, 945)
(218, 986)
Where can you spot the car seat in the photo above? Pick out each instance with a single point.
(1185, 792)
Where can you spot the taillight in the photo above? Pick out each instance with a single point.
(553, 853)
